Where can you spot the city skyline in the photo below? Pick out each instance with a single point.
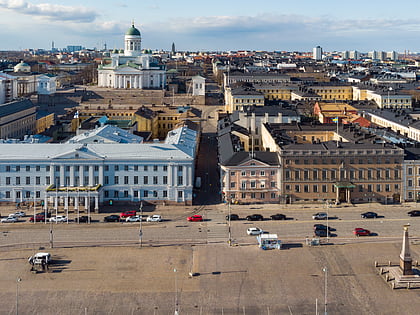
(270, 25)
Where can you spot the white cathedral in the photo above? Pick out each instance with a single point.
(131, 69)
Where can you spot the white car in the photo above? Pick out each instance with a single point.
(9, 220)
(320, 216)
(17, 214)
(59, 218)
(154, 218)
(134, 218)
(254, 231)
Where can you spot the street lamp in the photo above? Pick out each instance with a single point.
(141, 228)
(229, 228)
(176, 293)
(325, 270)
(17, 294)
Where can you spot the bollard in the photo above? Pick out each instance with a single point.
(408, 286)
(393, 285)
(389, 263)
(376, 264)
(387, 278)
(381, 271)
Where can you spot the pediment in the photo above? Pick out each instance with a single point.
(253, 163)
(82, 153)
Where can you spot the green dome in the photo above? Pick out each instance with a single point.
(133, 31)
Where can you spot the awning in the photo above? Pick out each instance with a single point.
(344, 185)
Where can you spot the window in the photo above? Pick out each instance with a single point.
(86, 180)
(315, 188)
(179, 168)
(106, 168)
(324, 174)
(369, 174)
(165, 168)
(378, 174)
(155, 180)
(145, 168)
(315, 174)
(262, 195)
(136, 168)
(37, 194)
(7, 180)
(87, 168)
(106, 194)
(243, 184)
(47, 180)
(306, 174)
(125, 180)
(27, 180)
(262, 173)
(17, 180)
(272, 173)
(145, 180)
(333, 174)
(155, 169)
(297, 188)
(396, 174)
(8, 194)
(253, 173)
(165, 180)
(136, 193)
(27, 194)
(180, 180)
(96, 168)
(7, 168)
(95, 180)
(324, 188)
(306, 188)
(116, 180)
(252, 195)
(155, 193)
(253, 184)
(180, 194)
(116, 193)
(106, 180)
(387, 174)
(126, 168)
(136, 180)
(273, 195)
(28, 168)
(17, 168)
(387, 188)
(37, 180)
(232, 173)
(125, 193)
(369, 188)
(297, 174)
(116, 168)
(243, 173)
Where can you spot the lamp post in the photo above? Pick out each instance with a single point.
(141, 228)
(229, 226)
(176, 292)
(325, 270)
(17, 294)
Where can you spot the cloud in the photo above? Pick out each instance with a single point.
(50, 11)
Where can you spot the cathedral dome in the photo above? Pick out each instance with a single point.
(133, 31)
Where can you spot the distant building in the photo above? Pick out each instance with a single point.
(17, 119)
(8, 88)
(198, 85)
(317, 53)
(130, 68)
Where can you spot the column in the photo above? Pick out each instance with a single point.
(66, 203)
(80, 175)
(101, 175)
(56, 202)
(170, 175)
(62, 179)
(45, 202)
(52, 174)
(86, 203)
(96, 203)
(184, 175)
(91, 175)
(72, 175)
(76, 203)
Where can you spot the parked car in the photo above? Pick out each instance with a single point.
(322, 227)
(43, 213)
(255, 217)
(112, 218)
(9, 220)
(82, 219)
(320, 216)
(414, 213)
(154, 218)
(195, 218)
(59, 218)
(278, 216)
(322, 233)
(18, 214)
(134, 218)
(361, 232)
(254, 231)
(369, 215)
(233, 217)
(127, 214)
(38, 218)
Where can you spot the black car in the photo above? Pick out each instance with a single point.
(82, 219)
(255, 217)
(112, 218)
(43, 213)
(232, 217)
(278, 216)
(322, 227)
(414, 213)
(322, 233)
(369, 215)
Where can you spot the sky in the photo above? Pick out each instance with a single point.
(216, 25)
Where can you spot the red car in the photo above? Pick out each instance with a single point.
(195, 218)
(38, 218)
(361, 232)
(127, 214)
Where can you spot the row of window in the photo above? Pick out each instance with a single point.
(254, 195)
(335, 161)
(324, 188)
(253, 173)
(28, 168)
(332, 174)
(155, 180)
(253, 184)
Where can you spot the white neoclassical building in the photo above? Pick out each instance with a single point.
(86, 175)
(130, 68)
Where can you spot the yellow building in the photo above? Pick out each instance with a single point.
(44, 121)
(276, 91)
(332, 92)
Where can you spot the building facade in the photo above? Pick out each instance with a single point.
(17, 119)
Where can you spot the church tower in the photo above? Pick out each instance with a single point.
(132, 42)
